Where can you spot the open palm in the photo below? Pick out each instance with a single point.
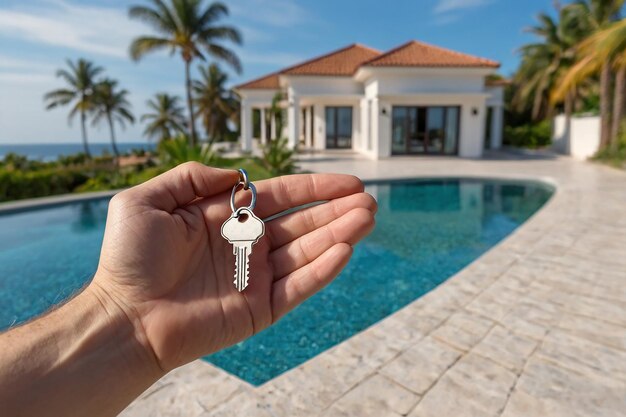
(166, 264)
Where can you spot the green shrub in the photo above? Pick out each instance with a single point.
(532, 136)
(278, 157)
(613, 155)
(177, 151)
(15, 185)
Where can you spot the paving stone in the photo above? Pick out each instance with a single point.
(495, 303)
(463, 330)
(375, 396)
(474, 386)
(395, 333)
(583, 356)
(506, 348)
(420, 366)
(594, 330)
(183, 392)
(244, 404)
(545, 389)
(316, 384)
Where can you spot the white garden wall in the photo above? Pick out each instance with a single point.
(583, 139)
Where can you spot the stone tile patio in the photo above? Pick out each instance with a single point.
(535, 327)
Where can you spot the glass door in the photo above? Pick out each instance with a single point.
(338, 127)
(424, 130)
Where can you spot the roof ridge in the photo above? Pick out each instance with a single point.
(429, 45)
(453, 51)
(326, 55)
(389, 52)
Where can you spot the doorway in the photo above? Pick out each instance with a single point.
(339, 127)
(425, 130)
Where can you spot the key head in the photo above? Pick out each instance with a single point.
(243, 226)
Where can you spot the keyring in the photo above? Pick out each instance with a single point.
(243, 178)
(232, 197)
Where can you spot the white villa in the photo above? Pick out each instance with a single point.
(414, 99)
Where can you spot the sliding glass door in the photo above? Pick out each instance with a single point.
(425, 130)
(338, 127)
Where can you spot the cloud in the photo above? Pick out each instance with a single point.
(100, 30)
(447, 6)
(278, 59)
(275, 13)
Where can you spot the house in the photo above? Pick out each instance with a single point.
(414, 99)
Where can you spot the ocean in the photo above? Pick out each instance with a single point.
(51, 151)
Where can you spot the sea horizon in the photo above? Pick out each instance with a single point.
(51, 151)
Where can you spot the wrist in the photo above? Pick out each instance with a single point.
(125, 327)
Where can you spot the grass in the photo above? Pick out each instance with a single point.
(613, 156)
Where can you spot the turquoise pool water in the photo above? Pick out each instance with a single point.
(426, 231)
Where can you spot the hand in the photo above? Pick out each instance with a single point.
(165, 264)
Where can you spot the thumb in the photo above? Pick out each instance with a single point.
(183, 184)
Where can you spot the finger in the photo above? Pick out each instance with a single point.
(290, 227)
(296, 287)
(279, 194)
(182, 185)
(349, 228)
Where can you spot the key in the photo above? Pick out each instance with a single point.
(243, 229)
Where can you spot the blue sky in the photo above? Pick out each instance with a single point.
(36, 37)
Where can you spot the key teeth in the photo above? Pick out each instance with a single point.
(244, 253)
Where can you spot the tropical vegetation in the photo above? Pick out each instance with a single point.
(217, 105)
(80, 79)
(192, 30)
(111, 104)
(166, 119)
(577, 65)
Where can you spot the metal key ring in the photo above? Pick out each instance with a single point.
(232, 197)
(243, 178)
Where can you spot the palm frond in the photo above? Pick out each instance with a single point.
(145, 44)
(225, 55)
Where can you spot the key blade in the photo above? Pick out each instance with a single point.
(241, 266)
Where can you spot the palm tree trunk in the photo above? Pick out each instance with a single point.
(618, 105)
(192, 122)
(113, 144)
(569, 101)
(83, 120)
(605, 105)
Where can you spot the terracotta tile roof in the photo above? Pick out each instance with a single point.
(267, 82)
(342, 62)
(346, 61)
(418, 54)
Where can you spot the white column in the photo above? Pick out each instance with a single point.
(497, 118)
(319, 127)
(263, 127)
(273, 127)
(293, 119)
(246, 126)
(308, 137)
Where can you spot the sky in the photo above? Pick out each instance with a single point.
(37, 36)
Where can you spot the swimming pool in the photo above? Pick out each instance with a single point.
(426, 231)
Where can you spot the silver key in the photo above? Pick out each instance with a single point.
(243, 229)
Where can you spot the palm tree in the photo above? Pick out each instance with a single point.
(80, 79)
(597, 15)
(216, 104)
(111, 104)
(544, 62)
(600, 52)
(188, 27)
(168, 117)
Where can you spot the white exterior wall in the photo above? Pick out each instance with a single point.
(431, 87)
(583, 140)
(373, 90)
